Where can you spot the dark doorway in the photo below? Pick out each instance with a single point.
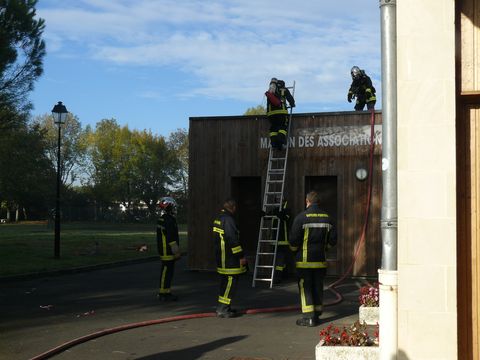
(247, 192)
(326, 187)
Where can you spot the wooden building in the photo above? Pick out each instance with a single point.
(229, 155)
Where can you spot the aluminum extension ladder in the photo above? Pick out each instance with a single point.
(269, 231)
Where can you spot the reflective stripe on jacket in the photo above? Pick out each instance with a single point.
(312, 234)
(228, 250)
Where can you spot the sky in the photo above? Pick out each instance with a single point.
(153, 64)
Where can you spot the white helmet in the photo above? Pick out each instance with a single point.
(168, 204)
(355, 72)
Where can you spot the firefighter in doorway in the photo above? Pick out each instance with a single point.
(229, 255)
(282, 245)
(312, 234)
(168, 246)
(277, 113)
(361, 89)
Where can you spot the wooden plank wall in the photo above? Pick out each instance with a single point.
(468, 177)
(468, 229)
(222, 148)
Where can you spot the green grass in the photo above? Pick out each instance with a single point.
(29, 247)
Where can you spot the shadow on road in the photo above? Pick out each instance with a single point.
(193, 352)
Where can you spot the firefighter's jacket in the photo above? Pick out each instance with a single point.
(167, 236)
(228, 250)
(363, 88)
(277, 102)
(312, 234)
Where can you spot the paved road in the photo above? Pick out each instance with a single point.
(39, 314)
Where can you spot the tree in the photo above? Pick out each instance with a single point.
(27, 176)
(155, 168)
(257, 110)
(178, 143)
(134, 168)
(104, 151)
(73, 146)
(25, 170)
(21, 58)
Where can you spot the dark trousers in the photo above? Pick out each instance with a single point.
(278, 130)
(228, 288)
(281, 259)
(360, 104)
(310, 287)
(166, 276)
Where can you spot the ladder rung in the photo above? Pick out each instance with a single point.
(275, 171)
(267, 241)
(274, 181)
(265, 266)
(277, 158)
(259, 279)
(265, 253)
(273, 192)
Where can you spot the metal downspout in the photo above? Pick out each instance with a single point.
(388, 277)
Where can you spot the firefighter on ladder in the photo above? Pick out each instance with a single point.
(231, 262)
(277, 113)
(282, 245)
(168, 246)
(361, 89)
(312, 234)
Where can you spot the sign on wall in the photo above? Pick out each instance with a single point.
(334, 136)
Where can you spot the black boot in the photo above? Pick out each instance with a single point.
(224, 311)
(310, 322)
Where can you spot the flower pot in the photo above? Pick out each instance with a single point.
(368, 314)
(346, 352)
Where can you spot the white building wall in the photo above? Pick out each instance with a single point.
(426, 180)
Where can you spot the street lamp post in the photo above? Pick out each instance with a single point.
(59, 113)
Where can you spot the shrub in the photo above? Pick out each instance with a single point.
(355, 335)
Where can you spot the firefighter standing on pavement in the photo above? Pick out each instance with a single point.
(312, 234)
(168, 246)
(361, 89)
(277, 113)
(229, 255)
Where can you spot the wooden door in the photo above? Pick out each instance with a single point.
(246, 190)
(468, 230)
(467, 24)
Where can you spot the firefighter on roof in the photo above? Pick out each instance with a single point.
(361, 89)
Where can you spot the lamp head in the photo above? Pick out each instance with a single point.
(59, 113)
